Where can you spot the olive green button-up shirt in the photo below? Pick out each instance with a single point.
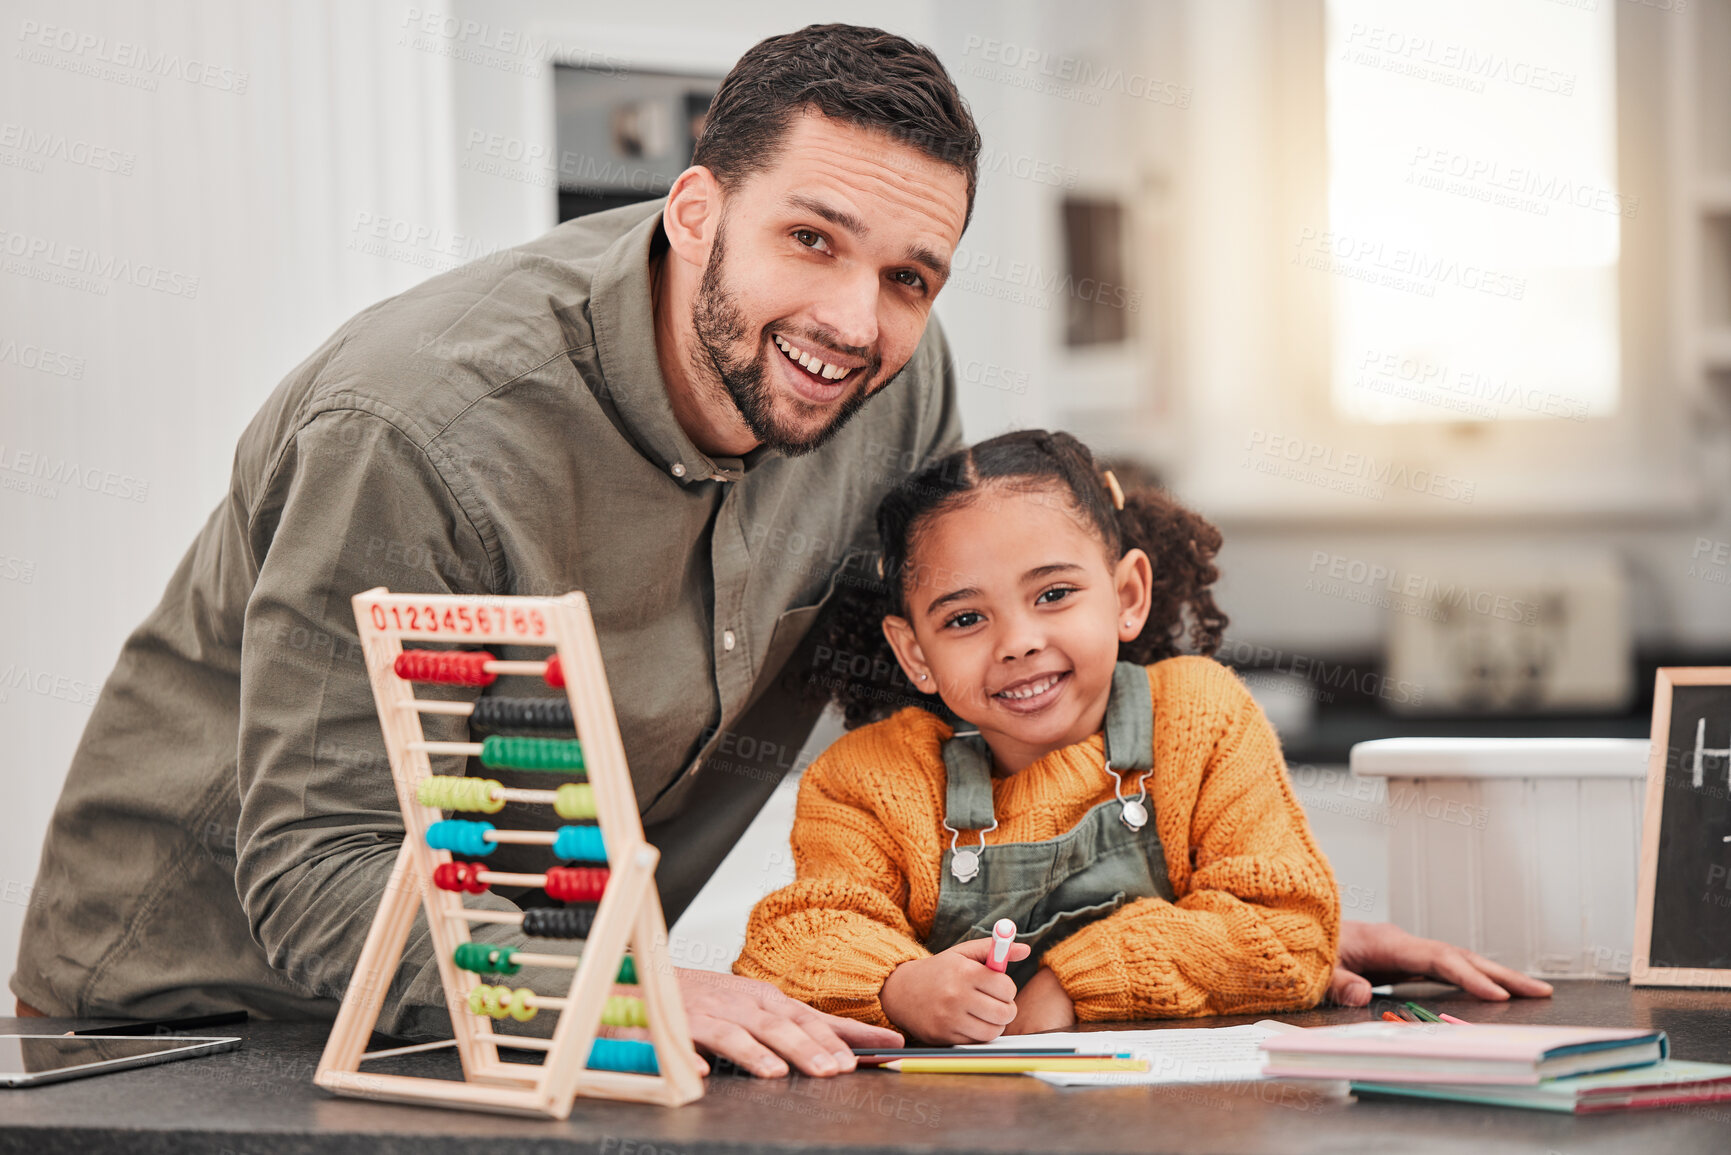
(229, 821)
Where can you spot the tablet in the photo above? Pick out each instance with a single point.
(26, 1060)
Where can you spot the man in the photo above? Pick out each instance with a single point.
(665, 406)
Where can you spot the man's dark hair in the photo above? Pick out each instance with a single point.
(865, 77)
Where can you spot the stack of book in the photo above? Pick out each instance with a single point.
(1574, 1069)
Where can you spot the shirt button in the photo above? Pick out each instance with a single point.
(727, 640)
(679, 469)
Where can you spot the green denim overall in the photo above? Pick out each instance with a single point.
(1051, 889)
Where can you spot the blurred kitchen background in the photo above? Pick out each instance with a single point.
(1427, 303)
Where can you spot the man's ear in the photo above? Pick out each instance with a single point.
(1134, 578)
(908, 653)
(692, 215)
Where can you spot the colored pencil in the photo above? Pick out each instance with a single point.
(955, 1052)
(1423, 1015)
(1010, 1066)
(886, 1060)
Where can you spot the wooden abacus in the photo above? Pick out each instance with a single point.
(614, 908)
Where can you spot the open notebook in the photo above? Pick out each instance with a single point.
(1177, 1055)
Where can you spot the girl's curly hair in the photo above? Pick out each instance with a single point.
(859, 671)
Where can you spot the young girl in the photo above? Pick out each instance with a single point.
(1128, 808)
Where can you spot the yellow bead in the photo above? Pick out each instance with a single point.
(624, 1011)
(455, 792)
(574, 800)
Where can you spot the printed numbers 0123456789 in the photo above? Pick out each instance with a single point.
(460, 619)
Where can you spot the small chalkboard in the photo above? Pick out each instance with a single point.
(1683, 913)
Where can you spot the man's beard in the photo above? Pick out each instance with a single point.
(720, 326)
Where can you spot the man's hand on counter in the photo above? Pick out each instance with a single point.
(762, 1030)
(1386, 951)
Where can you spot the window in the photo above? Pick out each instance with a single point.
(1473, 212)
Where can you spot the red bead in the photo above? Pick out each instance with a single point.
(555, 674)
(576, 883)
(459, 876)
(451, 667)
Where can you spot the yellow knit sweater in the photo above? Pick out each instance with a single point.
(1257, 917)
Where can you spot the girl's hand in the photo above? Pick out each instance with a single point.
(953, 997)
(1042, 1005)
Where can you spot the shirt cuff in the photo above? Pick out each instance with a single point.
(844, 973)
(1093, 973)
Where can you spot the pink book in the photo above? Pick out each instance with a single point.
(1388, 1052)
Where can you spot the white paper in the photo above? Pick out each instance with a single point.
(1179, 1056)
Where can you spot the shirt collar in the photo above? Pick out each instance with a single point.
(622, 313)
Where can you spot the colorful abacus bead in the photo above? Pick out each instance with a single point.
(576, 883)
(459, 876)
(484, 959)
(580, 844)
(494, 714)
(446, 667)
(455, 792)
(574, 800)
(624, 1055)
(559, 922)
(462, 668)
(558, 755)
(461, 837)
(497, 1002)
(624, 1011)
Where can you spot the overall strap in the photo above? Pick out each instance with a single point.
(1129, 746)
(968, 783)
(1130, 719)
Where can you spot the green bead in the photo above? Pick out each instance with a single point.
(483, 959)
(501, 752)
(627, 971)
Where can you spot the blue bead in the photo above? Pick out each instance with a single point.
(461, 837)
(623, 1055)
(580, 844)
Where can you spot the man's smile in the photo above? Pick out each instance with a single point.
(811, 362)
(814, 378)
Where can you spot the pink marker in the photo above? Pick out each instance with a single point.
(1003, 934)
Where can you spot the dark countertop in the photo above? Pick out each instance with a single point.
(1329, 739)
(260, 1100)
(1348, 711)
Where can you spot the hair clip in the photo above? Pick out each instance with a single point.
(1117, 490)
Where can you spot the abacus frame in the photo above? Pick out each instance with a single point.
(629, 914)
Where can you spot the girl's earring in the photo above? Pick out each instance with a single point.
(922, 677)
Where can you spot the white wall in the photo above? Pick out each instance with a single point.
(236, 181)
